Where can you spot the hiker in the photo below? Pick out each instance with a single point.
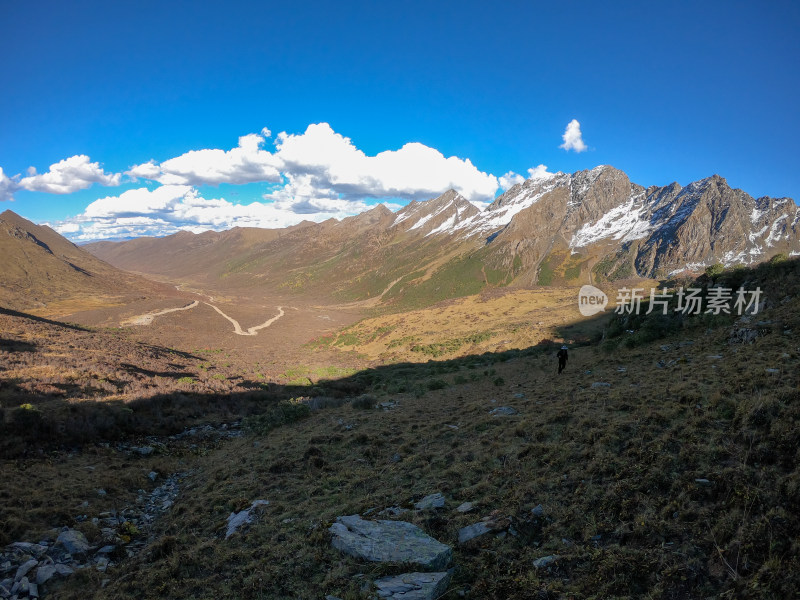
(562, 359)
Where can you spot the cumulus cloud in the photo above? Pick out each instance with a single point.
(7, 186)
(171, 208)
(332, 163)
(322, 164)
(511, 178)
(247, 163)
(573, 138)
(67, 176)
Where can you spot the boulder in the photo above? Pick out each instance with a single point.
(413, 586)
(430, 502)
(389, 541)
(73, 541)
(243, 517)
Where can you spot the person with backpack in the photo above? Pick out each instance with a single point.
(562, 359)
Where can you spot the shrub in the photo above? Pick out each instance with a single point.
(715, 270)
(365, 401)
(436, 384)
(282, 413)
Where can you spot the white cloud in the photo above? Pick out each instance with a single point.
(321, 163)
(246, 163)
(413, 172)
(573, 138)
(509, 180)
(171, 208)
(7, 186)
(539, 172)
(67, 176)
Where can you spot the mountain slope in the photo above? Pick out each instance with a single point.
(40, 266)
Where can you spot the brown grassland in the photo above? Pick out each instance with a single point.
(677, 480)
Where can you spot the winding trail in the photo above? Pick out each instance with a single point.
(237, 329)
(147, 319)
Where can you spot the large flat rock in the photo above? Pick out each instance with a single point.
(389, 541)
(413, 586)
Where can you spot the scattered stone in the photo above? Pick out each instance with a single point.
(538, 511)
(686, 343)
(329, 597)
(101, 492)
(45, 573)
(470, 532)
(73, 541)
(715, 356)
(702, 482)
(106, 550)
(396, 458)
(545, 561)
(392, 511)
(600, 384)
(24, 568)
(666, 348)
(389, 541)
(152, 475)
(430, 502)
(64, 570)
(243, 517)
(772, 370)
(505, 411)
(35, 549)
(518, 395)
(413, 586)
(493, 523)
(466, 507)
(143, 450)
(33, 590)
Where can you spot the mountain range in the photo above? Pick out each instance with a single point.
(560, 228)
(563, 229)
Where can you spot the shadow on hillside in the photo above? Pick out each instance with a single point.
(40, 421)
(7, 345)
(14, 313)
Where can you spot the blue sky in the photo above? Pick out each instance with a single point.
(665, 92)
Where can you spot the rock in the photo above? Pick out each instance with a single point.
(33, 590)
(64, 570)
(494, 522)
(24, 568)
(537, 511)
(35, 549)
(545, 561)
(106, 550)
(413, 586)
(470, 532)
(389, 541)
(466, 507)
(714, 356)
(243, 517)
(430, 502)
(600, 384)
(44, 574)
(4, 592)
(143, 450)
(152, 475)
(396, 458)
(101, 492)
(772, 370)
(702, 482)
(21, 587)
(73, 541)
(503, 411)
(666, 348)
(392, 511)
